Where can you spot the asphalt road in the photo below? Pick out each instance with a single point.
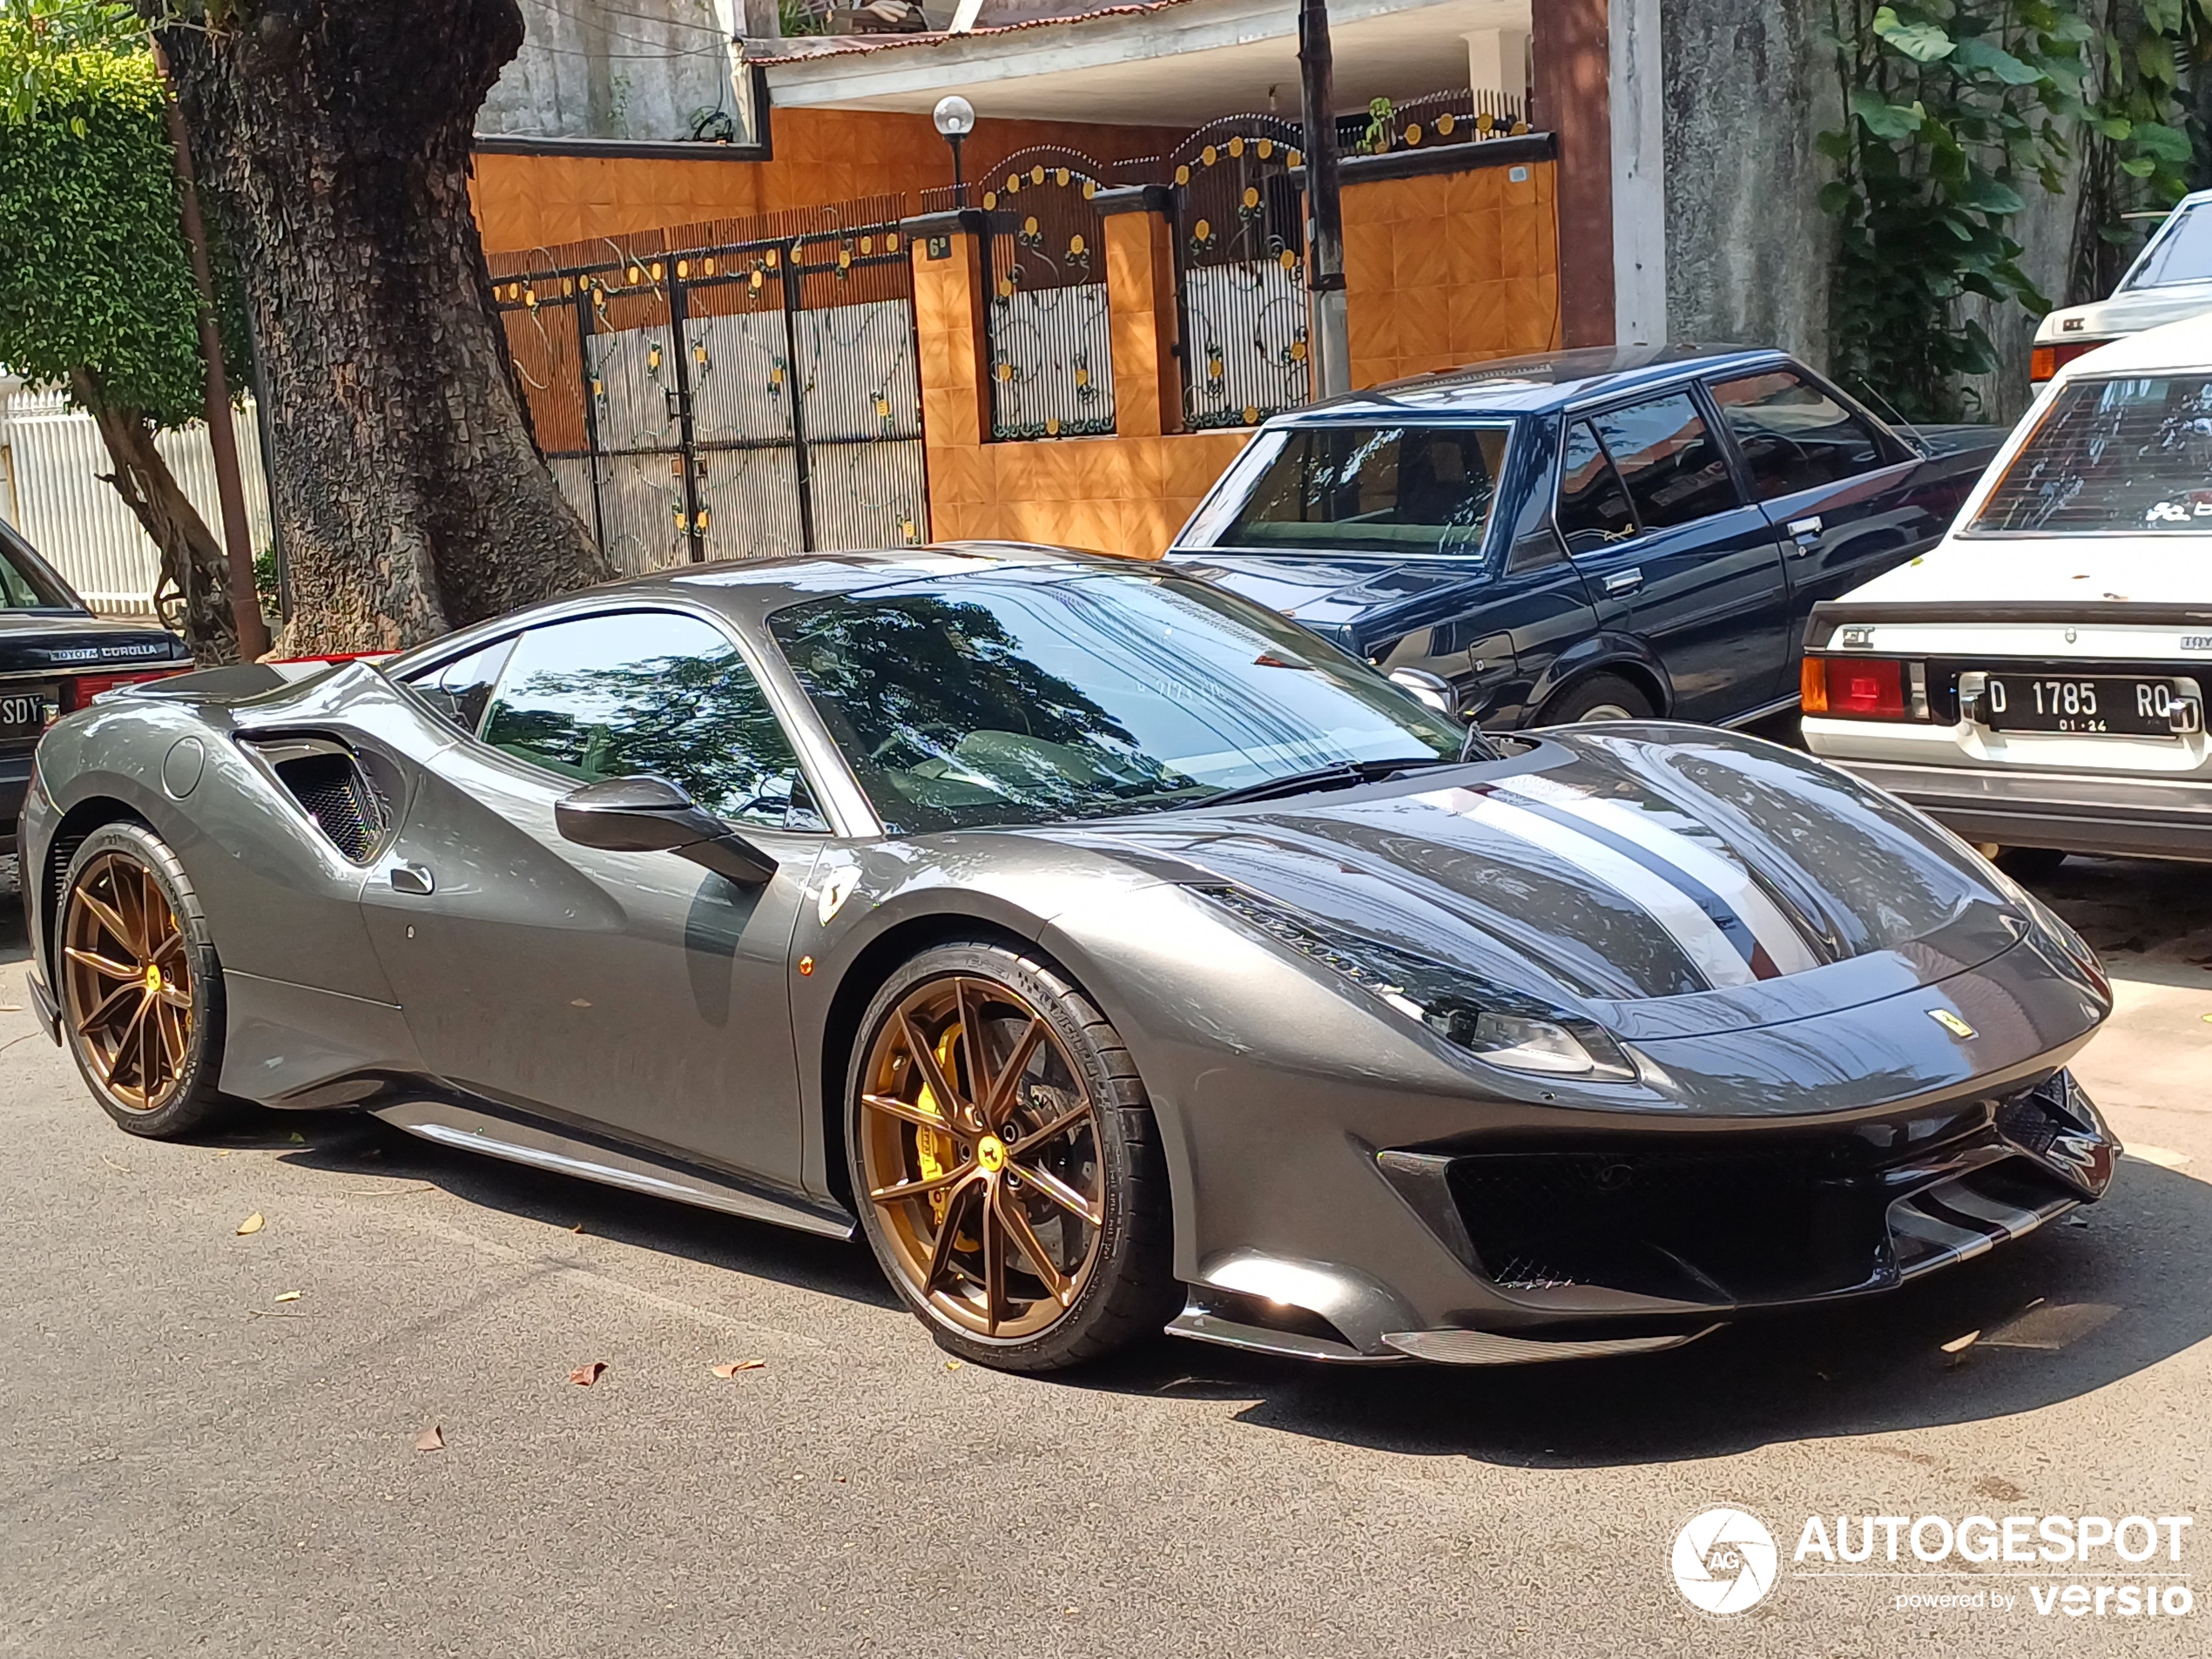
(195, 1465)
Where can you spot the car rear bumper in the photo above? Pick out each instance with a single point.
(2077, 812)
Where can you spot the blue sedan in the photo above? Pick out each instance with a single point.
(1583, 534)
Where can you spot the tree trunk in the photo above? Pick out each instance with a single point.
(336, 135)
(194, 574)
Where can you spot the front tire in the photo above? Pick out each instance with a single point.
(1005, 1162)
(141, 992)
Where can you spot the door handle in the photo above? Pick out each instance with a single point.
(1806, 533)
(415, 879)
(1625, 581)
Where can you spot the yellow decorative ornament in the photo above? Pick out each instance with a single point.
(1290, 259)
(530, 298)
(882, 406)
(1298, 351)
(1237, 146)
(1264, 148)
(1182, 175)
(1004, 371)
(1052, 428)
(1030, 226)
(598, 386)
(1075, 245)
(1090, 188)
(1013, 183)
(1445, 123)
(1519, 128)
(1210, 155)
(1202, 230)
(1485, 122)
(655, 270)
(907, 528)
(699, 356)
(1005, 287)
(1036, 175)
(756, 281)
(770, 259)
(1251, 415)
(845, 259)
(1292, 158)
(707, 266)
(1082, 377)
(1251, 196)
(776, 376)
(866, 244)
(635, 275)
(682, 267)
(702, 518)
(990, 199)
(1413, 133)
(652, 357)
(891, 243)
(1060, 177)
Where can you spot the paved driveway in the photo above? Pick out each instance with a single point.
(195, 1464)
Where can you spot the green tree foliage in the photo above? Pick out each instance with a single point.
(1952, 112)
(99, 295)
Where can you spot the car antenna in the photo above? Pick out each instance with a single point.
(1889, 413)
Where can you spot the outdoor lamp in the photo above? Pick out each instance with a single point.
(955, 117)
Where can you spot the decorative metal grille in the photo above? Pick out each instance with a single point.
(1426, 122)
(1239, 250)
(1046, 322)
(729, 401)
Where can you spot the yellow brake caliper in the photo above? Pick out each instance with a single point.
(934, 1148)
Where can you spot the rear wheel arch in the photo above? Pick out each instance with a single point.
(1636, 674)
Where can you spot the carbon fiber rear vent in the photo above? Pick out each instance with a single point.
(336, 791)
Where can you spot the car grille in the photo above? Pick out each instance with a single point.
(338, 795)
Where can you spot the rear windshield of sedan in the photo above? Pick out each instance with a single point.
(2182, 254)
(2128, 457)
(1044, 694)
(1398, 489)
(23, 586)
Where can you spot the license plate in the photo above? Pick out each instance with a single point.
(2119, 705)
(22, 711)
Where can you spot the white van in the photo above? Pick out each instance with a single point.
(2037, 680)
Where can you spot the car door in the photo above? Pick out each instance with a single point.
(1841, 494)
(1651, 513)
(634, 992)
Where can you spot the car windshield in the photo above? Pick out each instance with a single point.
(2111, 458)
(2181, 252)
(1051, 693)
(1383, 488)
(25, 585)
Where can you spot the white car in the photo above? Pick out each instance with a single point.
(2037, 679)
(2170, 279)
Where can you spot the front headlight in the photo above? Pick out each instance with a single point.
(1504, 1028)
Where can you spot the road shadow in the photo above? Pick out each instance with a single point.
(354, 1144)
(2139, 915)
(15, 937)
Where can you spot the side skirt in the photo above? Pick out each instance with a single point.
(542, 1147)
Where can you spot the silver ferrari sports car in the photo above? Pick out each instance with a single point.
(1112, 953)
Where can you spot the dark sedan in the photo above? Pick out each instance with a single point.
(1585, 535)
(1112, 953)
(57, 656)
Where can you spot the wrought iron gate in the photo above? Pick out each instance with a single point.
(731, 401)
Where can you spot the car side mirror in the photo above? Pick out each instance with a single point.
(653, 815)
(1432, 689)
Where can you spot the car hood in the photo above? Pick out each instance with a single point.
(1669, 881)
(2058, 570)
(1343, 596)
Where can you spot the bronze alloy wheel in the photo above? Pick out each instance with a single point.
(128, 977)
(979, 1145)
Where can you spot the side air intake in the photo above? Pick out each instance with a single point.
(335, 789)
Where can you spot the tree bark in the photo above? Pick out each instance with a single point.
(335, 134)
(193, 594)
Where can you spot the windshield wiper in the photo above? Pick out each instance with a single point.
(1342, 774)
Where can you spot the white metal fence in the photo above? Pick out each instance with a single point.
(52, 456)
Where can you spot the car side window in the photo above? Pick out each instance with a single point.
(461, 690)
(1794, 435)
(1593, 507)
(1668, 459)
(650, 692)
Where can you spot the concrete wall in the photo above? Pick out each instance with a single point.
(635, 70)
(1749, 250)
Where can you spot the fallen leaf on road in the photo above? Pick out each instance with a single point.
(585, 1376)
(288, 1296)
(577, 1228)
(298, 1139)
(252, 1224)
(1959, 1344)
(952, 1364)
(742, 1364)
(430, 1439)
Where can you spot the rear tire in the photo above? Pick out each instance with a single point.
(138, 984)
(1027, 1220)
(1602, 697)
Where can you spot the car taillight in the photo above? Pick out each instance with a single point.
(2043, 362)
(79, 693)
(1864, 687)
